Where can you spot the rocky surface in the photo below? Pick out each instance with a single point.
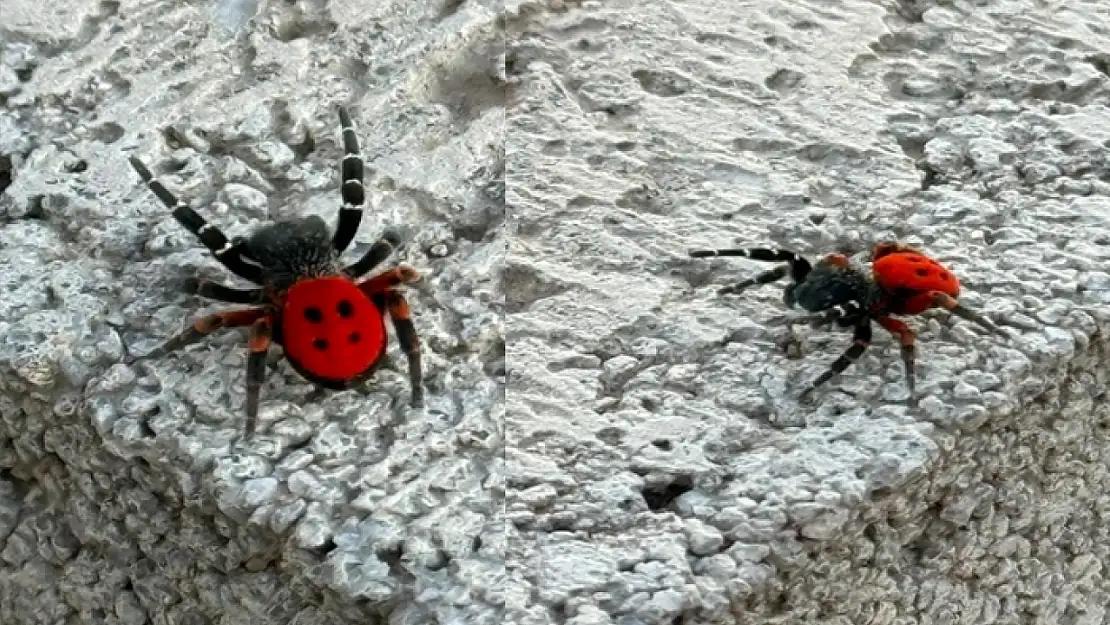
(659, 468)
(128, 494)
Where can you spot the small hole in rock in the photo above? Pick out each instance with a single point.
(662, 443)
(658, 498)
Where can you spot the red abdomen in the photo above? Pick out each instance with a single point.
(331, 331)
(921, 276)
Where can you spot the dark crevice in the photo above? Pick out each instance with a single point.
(323, 550)
(6, 173)
(659, 498)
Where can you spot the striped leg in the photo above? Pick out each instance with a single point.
(847, 310)
(229, 254)
(351, 189)
(216, 291)
(799, 267)
(203, 327)
(374, 256)
(861, 339)
(766, 277)
(847, 314)
(384, 281)
(261, 335)
(949, 303)
(409, 341)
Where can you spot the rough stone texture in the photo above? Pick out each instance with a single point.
(659, 469)
(127, 495)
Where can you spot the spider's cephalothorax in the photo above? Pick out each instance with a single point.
(329, 320)
(902, 281)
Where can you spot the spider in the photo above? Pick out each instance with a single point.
(330, 324)
(903, 281)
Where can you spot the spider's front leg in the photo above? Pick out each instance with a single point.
(351, 187)
(230, 253)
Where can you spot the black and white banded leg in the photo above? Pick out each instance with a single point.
(797, 266)
(375, 255)
(790, 344)
(847, 310)
(351, 189)
(231, 255)
(766, 277)
(861, 340)
(214, 290)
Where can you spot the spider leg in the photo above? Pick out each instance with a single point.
(909, 349)
(409, 341)
(351, 189)
(203, 327)
(949, 303)
(258, 343)
(228, 253)
(374, 256)
(847, 310)
(219, 292)
(861, 339)
(799, 266)
(766, 277)
(384, 281)
(883, 248)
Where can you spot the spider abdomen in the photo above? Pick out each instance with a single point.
(913, 279)
(332, 332)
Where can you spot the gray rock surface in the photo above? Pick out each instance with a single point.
(127, 494)
(659, 468)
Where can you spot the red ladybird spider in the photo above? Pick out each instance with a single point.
(903, 281)
(330, 324)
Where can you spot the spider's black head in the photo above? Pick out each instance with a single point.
(294, 249)
(830, 284)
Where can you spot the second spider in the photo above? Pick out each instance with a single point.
(902, 281)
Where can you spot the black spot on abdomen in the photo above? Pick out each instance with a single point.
(345, 309)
